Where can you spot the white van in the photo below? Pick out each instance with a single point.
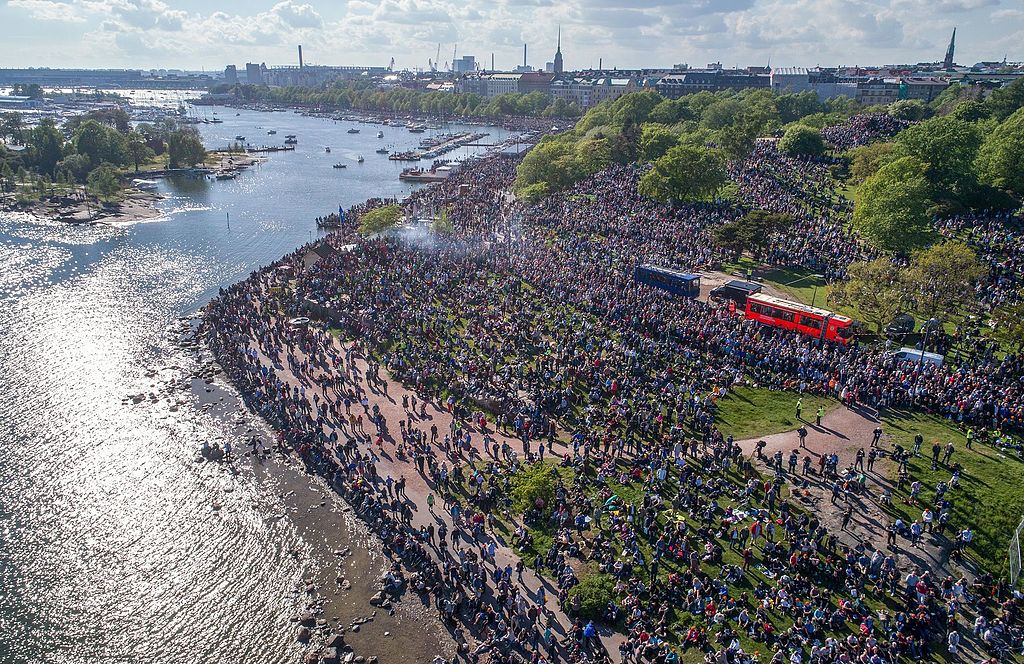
(914, 355)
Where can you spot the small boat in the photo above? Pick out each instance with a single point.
(360, 159)
(353, 130)
(380, 134)
(416, 130)
(271, 132)
(290, 141)
(239, 138)
(340, 165)
(144, 185)
(382, 150)
(226, 176)
(327, 150)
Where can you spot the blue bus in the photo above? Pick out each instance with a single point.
(677, 283)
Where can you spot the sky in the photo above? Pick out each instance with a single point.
(204, 34)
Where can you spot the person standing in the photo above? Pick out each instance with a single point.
(799, 406)
(820, 414)
(876, 436)
(802, 433)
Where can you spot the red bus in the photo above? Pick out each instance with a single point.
(814, 322)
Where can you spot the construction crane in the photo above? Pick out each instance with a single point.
(437, 58)
(432, 65)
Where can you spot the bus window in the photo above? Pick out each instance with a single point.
(782, 314)
(813, 323)
(844, 332)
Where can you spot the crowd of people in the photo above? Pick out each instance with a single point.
(525, 320)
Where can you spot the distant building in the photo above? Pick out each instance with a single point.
(499, 84)
(557, 67)
(316, 75)
(574, 90)
(689, 81)
(19, 103)
(83, 78)
(549, 67)
(254, 73)
(536, 82)
(878, 91)
(231, 74)
(466, 63)
(822, 82)
(923, 88)
(947, 63)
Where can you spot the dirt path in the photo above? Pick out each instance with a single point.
(387, 395)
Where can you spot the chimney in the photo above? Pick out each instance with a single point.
(300, 56)
(524, 56)
(600, 61)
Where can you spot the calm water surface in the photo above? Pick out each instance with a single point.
(110, 547)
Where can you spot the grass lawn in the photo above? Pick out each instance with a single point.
(990, 500)
(748, 412)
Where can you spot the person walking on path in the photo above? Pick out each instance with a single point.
(802, 432)
(847, 517)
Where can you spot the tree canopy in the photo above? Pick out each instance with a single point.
(947, 146)
(685, 173)
(380, 219)
(891, 207)
(1000, 160)
(801, 140)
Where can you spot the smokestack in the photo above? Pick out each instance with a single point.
(524, 56)
(492, 62)
(300, 56)
(600, 61)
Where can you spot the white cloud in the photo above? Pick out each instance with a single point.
(46, 10)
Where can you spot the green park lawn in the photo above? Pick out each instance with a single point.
(749, 412)
(990, 499)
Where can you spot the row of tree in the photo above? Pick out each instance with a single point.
(688, 140)
(364, 96)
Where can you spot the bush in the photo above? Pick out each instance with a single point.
(595, 593)
(380, 219)
(802, 140)
(532, 483)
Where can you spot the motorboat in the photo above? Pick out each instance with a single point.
(144, 185)
(353, 130)
(340, 165)
(382, 150)
(327, 150)
(360, 159)
(380, 134)
(239, 138)
(271, 132)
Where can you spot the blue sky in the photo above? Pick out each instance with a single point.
(194, 34)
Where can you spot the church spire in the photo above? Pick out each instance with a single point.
(948, 62)
(558, 52)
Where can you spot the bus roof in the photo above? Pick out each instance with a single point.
(796, 306)
(748, 286)
(685, 276)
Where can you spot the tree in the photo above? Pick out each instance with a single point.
(6, 178)
(685, 173)
(104, 183)
(101, 144)
(909, 109)
(1008, 326)
(380, 219)
(801, 140)
(594, 593)
(891, 207)
(533, 487)
(138, 151)
(184, 148)
(876, 288)
(947, 146)
(45, 146)
(1000, 160)
(752, 232)
(941, 280)
(865, 160)
(655, 141)
(77, 166)
(1004, 102)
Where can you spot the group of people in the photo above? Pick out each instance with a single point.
(524, 324)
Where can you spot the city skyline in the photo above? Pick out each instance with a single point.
(187, 35)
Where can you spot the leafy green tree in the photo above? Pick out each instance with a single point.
(533, 487)
(138, 151)
(1008, 326)
(941, 280)
(185, 148)
(865, 160)
(801, 140)
(380, 219)
(793, 107)
(685, 173)
(891, 206)
(876, 288)
(753, 232)
(104, 183)
(77, 167)
(101, 144)
(593, 593)
(1004, 102)
(914, 110)
(45, 146)
(947, 146)
(655, 141)
(1000, 160)
(6, 178)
